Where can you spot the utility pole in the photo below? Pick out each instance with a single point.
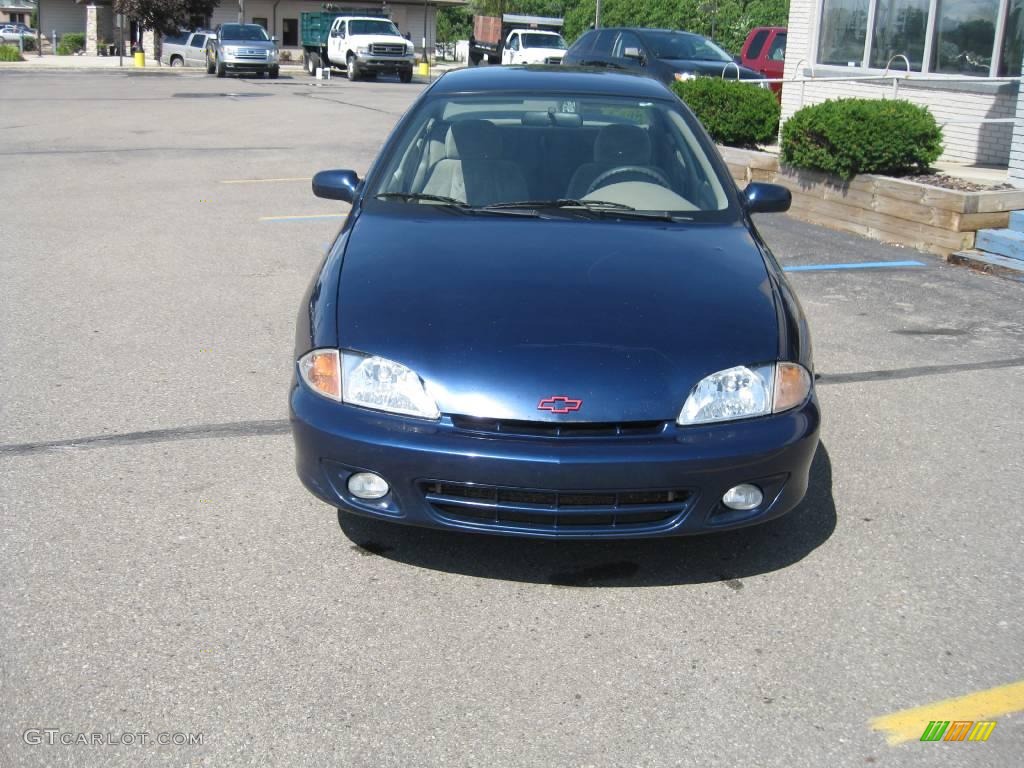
(597, 15)
(241, 11)
(39, 29)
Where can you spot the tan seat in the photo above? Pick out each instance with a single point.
(473, 170)
(616, 146)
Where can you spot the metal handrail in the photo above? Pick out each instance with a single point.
(732, 63)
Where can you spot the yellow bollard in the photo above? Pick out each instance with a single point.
(140, 58)
(424, 69)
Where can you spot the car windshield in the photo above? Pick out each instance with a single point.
(537, 40)
(372, 27)
(682, 45)
(243, 32)
(581, 154)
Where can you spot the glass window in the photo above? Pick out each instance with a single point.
(175, 39)
(261, 20)
(900, 28)
(585, 43)
(541, 40)
(289, 31)
(843, 32)
(198, 41)
(964, 37)
(646, 154)
(1013, 41)
(778, 49)
(242, 32)
(624, 42)
(372, 27)
(757, 44)
(603, 42)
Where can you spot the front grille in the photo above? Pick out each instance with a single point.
(555, 510)
(253, 55)
(387, 49)
(558, 429)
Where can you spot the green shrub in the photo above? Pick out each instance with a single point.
(29, 43)
(71, 43)
(10, 53)
(735, 113)
(851, 136)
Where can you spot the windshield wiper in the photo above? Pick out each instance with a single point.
(599, 207)
(412, 197)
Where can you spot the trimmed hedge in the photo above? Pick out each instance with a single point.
(71, 43)
(10, 53)
(850, 136)
(735, 113)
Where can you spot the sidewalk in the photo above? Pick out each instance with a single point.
(50, 61)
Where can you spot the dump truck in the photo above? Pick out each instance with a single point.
(360, 44)
(490, 33)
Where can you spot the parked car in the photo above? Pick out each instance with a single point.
(764, 51)
(187, 49)
(363, 46)
(659, 53)
(621, 357)
(12, 33)
(241, 48)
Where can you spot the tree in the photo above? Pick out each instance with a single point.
(453, 24)
(167, 16)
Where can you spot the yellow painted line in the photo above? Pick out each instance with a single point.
(304, 216)
(265, 181)
(910, 723)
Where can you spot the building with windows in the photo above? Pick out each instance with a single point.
(950, 49)
(19, 11)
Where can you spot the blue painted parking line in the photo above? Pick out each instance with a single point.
(855, 265)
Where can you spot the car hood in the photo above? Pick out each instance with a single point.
(699, 67)
(256, 45)
(496, 314)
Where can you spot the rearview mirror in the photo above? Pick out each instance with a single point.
(336, 185)
(766, 198)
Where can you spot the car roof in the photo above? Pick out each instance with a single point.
(549, 79)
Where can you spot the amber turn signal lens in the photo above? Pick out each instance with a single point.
(792, 386)
(321, 370)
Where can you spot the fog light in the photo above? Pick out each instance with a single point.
(366, 485)
(743, 497)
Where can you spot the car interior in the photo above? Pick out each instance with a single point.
(484, 158)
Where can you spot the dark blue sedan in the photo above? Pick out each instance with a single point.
(549, 314)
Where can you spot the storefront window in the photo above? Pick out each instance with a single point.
(1013, 41)
(964, 37)
(900, 29)
(844, 25)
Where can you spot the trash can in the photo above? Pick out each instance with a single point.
(140, 58)
(424, 69)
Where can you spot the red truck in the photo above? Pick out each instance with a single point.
(764, 50)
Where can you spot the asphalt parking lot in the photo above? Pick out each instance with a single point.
(162, 571)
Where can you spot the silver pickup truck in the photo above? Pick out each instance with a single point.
(187, 49)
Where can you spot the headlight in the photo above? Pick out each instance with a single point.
(682, 76)
(410, 49)
(272, 55)
(229, 51)
(363, 49)
(742, 392)
(384, 385)
(321, 370)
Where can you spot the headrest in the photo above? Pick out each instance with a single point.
(473, 139)
(623, 145)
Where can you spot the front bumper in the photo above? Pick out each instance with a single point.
(236, 64)
(369, 62)
(425, 462)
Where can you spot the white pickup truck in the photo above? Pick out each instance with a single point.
(533, 46)
(363, 46)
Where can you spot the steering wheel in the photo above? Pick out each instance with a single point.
(652, 173)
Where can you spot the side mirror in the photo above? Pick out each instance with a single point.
(633, 53)
(212, 38)
(336, 185)
(766, 198)
(273, 39)
(334, 33)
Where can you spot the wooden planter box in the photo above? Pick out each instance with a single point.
(941, 221)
